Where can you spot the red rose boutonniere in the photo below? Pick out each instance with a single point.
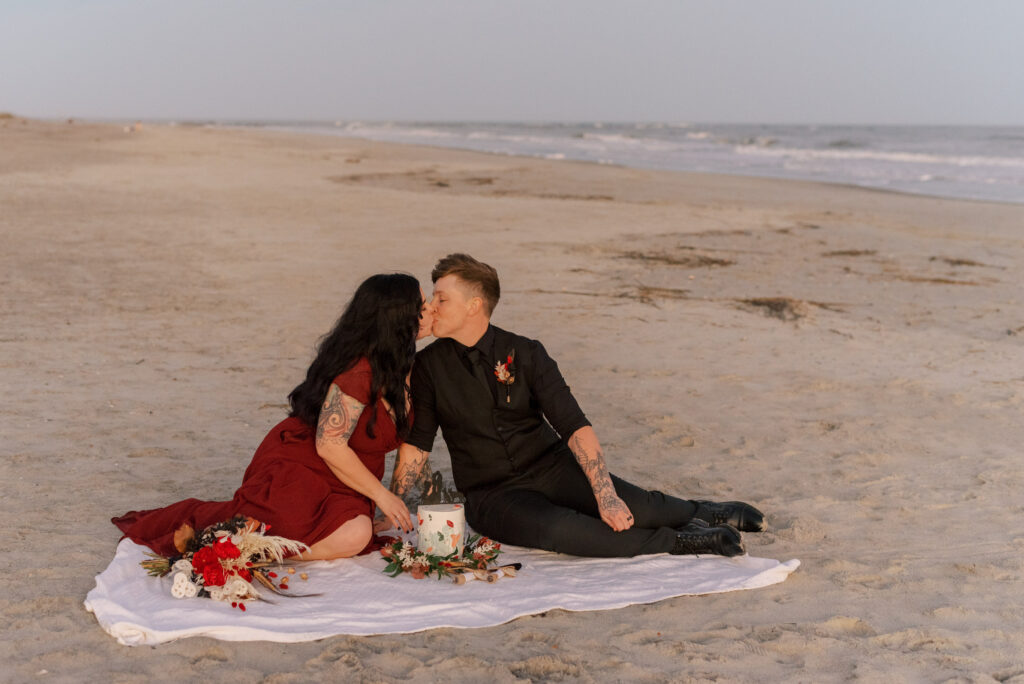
(506, 374)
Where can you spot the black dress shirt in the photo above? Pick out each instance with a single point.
(538, 393)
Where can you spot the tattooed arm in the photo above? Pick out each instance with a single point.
(587, 450)
(412, 469)
(338, 417)
(412, 465)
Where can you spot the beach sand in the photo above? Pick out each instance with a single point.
(850, 361)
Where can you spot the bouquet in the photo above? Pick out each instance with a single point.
(478, 554)
(225, 560)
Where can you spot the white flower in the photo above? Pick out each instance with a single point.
(501, 372)
(182, 565)
(237, 587)
(216, 593)
(183, 586)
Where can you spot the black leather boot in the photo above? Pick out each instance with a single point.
(742, 516)
(697, 537)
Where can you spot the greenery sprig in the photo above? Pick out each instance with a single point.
(478, 554)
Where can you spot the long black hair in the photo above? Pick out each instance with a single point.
(380, 323)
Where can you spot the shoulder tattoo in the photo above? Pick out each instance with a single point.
(338, 417)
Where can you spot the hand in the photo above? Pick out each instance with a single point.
(381, 524)
(615, 513)
(395, 510)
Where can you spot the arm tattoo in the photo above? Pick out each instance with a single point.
(410, 473)
(592, 463)
(338, 417)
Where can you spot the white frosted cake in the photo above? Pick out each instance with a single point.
(442, 528)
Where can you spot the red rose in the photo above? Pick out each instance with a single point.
(246, 575)
(213, 575)
(203, 557)
(225, 548)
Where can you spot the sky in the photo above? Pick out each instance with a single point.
(750, 61)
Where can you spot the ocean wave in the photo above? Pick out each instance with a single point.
(385, 129)
(752, 141)
(877, 155)
(976, 162)
(612, 143)
(845, 144)
(1006, 137)
(511, 138)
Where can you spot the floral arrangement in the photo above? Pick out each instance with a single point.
(224, 560)
(478, 554)
(506, 374)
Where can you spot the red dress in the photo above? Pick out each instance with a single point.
(287, 485)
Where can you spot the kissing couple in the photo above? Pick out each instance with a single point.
(523, 453)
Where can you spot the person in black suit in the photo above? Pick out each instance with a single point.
(523, 453)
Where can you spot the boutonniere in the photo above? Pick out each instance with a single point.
(506, 374)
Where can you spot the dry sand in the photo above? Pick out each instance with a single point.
(851, 361)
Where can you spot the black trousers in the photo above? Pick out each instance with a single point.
(551, 506)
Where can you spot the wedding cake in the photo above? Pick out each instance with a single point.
(442, 528)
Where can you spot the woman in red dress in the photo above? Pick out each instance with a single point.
(316, 478)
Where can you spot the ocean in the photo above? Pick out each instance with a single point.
(971, 162)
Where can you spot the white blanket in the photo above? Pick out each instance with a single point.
(357, 598)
